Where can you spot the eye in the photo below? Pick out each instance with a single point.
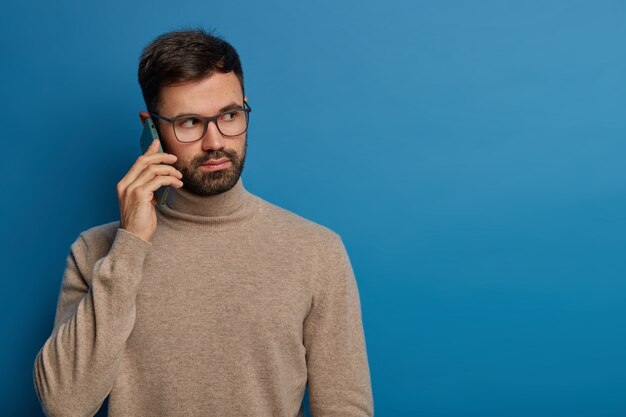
(188, 122)
(228, 117)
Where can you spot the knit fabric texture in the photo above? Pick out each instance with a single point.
(231, 309)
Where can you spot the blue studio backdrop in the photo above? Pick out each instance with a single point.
(470, 154)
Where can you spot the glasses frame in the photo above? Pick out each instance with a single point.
(207, 119)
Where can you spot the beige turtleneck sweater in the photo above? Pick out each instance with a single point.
(231, 309)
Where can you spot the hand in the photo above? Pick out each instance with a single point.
(136, 190)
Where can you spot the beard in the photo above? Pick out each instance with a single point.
(206, 183)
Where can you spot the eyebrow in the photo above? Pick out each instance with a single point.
(230, 106)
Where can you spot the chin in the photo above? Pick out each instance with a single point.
(212, 184)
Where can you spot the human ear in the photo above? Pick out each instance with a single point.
(143, 116)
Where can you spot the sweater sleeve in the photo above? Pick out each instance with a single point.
(75, 369)
(337, 365)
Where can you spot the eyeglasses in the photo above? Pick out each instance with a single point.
(190, 128)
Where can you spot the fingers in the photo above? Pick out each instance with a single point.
(157, 182)
(152, 172)
(154, 146)
(157, 169)
(145, 191)
(150, 158)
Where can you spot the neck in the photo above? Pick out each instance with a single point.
(184, 210)
(184, 201)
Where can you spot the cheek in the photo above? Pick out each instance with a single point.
(166, 144)
(184, 163)
(172, 146)
(241, 147)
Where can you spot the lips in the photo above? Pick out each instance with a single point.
(216, 161)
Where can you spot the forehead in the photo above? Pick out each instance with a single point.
(205, 96)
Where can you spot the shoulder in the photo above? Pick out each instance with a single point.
(294, 227)
(97, 240)
(106, 230)
(92, 244)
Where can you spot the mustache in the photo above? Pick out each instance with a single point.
(222, 153)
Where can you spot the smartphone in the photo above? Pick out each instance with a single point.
(148, 135)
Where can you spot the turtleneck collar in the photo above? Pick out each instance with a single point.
(215, 211)
(184, 201)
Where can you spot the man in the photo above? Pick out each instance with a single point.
(216, 303)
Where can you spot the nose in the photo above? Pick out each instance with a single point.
(212, 138)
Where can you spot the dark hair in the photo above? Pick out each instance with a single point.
(182, 56)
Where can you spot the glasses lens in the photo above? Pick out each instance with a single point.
(189, 129)
(232, 123)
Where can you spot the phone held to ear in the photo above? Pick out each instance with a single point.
(148, 135)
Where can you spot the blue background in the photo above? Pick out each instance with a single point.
(470, 154)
